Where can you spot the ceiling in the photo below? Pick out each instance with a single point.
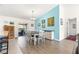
(24, 10)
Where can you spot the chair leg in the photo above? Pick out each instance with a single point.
(38, 41)
(44, 40)
(35, 41)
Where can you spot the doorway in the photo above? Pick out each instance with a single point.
(71, 29)
(23, 29)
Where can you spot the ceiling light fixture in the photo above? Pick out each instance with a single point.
(33, 18)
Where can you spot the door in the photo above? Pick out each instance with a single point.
(72, 26)
(10, 30)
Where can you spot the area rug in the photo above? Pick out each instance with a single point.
(71, 37)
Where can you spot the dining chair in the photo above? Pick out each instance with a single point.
(41, 37)
(28, 36)
(36, 36)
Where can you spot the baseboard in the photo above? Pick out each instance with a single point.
(52, 40)
(48, 39)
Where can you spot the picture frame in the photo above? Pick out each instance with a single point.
(61, 21)
(43, 23)
(51, 21)
(39, 24)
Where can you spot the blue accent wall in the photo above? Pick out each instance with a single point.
(54, 12)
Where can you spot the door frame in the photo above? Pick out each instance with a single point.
(24, 25)
(68, 25)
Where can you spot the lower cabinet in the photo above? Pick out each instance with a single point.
(49, 35)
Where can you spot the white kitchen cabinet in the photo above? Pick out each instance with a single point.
(49, 35)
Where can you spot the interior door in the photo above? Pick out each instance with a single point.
(10, 30)
(72, 26)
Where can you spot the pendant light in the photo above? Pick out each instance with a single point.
(33, 18)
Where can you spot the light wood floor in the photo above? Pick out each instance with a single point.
(13, 47)
(50, 47)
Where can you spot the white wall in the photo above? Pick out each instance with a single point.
(6, 20)
(29, 22)
(64, 19)
(68, 11)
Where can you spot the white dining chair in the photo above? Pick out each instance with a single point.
(28, 36)
(41, 38)
(32, 37)
(35, 39)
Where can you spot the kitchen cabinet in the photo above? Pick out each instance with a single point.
(49, 35)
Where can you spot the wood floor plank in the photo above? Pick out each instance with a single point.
(50, 47)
